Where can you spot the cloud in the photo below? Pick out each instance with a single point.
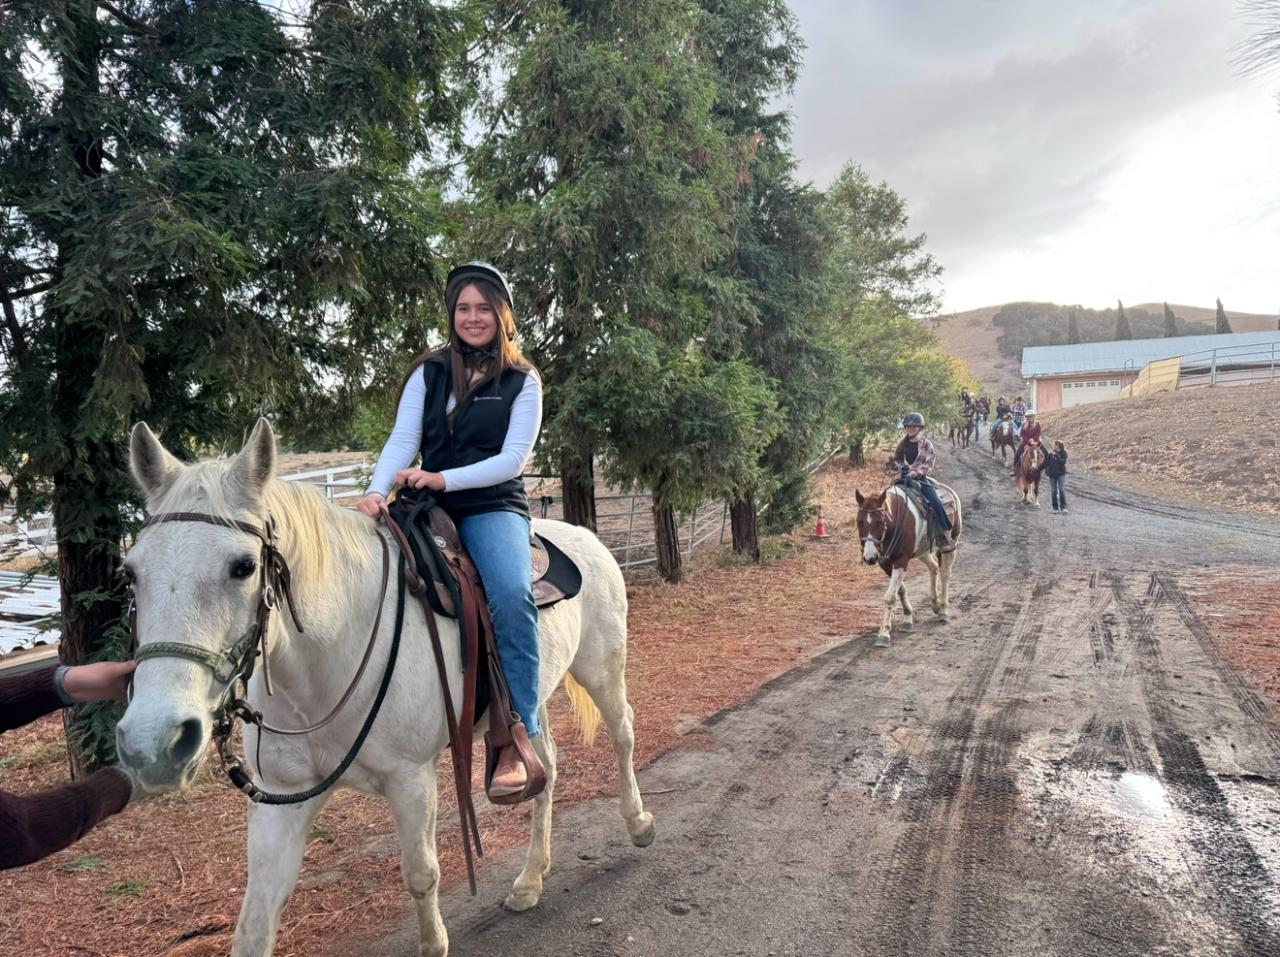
(1003, 123)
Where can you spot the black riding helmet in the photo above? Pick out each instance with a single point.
(913, 418)
(460, 275)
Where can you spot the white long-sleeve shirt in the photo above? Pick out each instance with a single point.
(406, 440)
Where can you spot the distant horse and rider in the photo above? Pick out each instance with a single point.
(910, 520)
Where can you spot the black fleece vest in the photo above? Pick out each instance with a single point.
(477, 432)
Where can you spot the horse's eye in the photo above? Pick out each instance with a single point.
(244, 568)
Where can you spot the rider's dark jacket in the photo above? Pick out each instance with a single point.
(474, 432)
(1055, 465)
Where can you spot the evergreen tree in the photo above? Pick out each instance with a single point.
(1222, 324)
(778, 256)
(602, 187)
(1122, 323)
(1073, 327)
(213, 210)
(1170, 322)
(890, 362)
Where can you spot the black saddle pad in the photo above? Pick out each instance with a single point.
(562, 579)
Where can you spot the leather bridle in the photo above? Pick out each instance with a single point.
(234, 667)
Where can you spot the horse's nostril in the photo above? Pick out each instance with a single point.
(187, 742)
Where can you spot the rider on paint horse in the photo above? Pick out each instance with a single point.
(912, 460)
(1031, 432)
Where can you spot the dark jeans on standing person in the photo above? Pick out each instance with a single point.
(931, 496)
(1058, 486)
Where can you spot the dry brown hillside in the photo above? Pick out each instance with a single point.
(970, 336)
(1213, 447)
(1240, 321)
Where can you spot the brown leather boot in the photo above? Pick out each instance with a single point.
(509, 777)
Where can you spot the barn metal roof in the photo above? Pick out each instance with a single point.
(1132, 354)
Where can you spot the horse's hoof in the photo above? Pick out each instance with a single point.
(647, 830)
(519, 901)
(945, 614)
(882, 641)
(908, 621)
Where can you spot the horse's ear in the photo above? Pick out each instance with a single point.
(857, 493)
(256, 462)
(152, 466)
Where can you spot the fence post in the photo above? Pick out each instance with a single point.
(693, 527)
(1272, 374)
(1213, 367)
(724, 520)
(631, 524)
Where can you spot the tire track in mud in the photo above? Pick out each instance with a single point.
(1135, 503)
(1222, 855)
(962, 812)
(1245, 697)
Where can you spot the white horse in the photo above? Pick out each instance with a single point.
(194, 584)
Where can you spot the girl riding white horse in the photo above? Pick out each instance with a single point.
(198, 585)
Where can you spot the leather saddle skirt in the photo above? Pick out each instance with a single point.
(435, 542)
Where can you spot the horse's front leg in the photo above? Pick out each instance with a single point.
(412, 797)
(895, 583)
(935, 601)
(908, 613)
(277, 840)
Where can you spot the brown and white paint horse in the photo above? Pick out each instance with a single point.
(1026, 476)
(1005, 437)
(893, 530)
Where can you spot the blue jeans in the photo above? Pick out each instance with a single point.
(499, 546)
(931, 496)
(1058, 485)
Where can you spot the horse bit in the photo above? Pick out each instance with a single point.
(234, 667)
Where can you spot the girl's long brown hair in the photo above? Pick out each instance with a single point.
(502, 354)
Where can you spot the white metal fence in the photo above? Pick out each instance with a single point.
(624, 523)
(1245, 364)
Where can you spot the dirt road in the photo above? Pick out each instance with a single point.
(1068, 767)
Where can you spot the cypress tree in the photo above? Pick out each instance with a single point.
(1222, 324)
(1073, 327)
(1170, 322)
(1122, 323)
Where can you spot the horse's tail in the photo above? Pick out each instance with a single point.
(585, 711)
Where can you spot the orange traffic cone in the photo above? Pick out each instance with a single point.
(820, 530)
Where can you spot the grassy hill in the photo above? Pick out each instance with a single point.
(991, 339)
(1216, 448)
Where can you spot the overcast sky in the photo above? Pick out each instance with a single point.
(1081, 151)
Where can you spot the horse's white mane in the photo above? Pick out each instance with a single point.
(312, 531)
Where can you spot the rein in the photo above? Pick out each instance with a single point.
(234, 667)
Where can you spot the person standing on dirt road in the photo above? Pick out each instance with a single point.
(1055, 466)
(37, 825)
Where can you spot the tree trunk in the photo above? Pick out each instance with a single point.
(857, 458)
(666, 537)
(578, 488)
(87, 494)
(742, 518)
